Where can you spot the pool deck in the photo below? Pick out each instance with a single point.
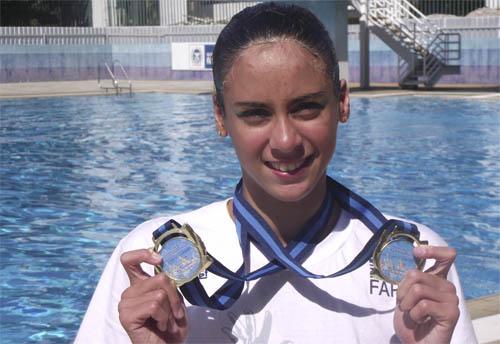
(484, 311)
(90, 87)
(485, 314)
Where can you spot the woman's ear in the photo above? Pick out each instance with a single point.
(344, 103)
(219, 117)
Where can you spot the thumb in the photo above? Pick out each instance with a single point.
(132, 260)
(443, 255)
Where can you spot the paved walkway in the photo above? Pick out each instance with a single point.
(90, 87)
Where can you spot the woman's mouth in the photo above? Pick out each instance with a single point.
(290, 167)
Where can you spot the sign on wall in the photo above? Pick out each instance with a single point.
(192, 56)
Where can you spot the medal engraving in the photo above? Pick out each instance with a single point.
(181, 259)
(393, 257)
(184, 255)
(396, 259)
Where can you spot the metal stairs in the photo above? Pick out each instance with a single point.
(111, 72)
(425, 51)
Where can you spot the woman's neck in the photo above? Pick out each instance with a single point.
(286, 219)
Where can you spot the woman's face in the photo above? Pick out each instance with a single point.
(282, 116)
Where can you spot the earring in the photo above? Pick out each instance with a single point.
(221, 131)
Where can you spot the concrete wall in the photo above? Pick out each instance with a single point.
(46, 54)
(80, 62)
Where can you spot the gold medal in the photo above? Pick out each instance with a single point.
(184, 254)
(393, 257)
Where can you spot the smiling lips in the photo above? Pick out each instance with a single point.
(290, 167)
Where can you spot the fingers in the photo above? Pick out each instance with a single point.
(444, 256)
(151, 306)
(134, 312)
(132, 260)
(440, 312)
(419, 286)
(165, 290)
(422, 296)
(417, 283)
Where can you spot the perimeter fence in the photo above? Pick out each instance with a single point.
(107, 35)
(467, 26)
(452, 7)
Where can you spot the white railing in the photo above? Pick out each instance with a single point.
(115, 83)
(402, 17)
(444, 50)
(428, 45)
(107, 35)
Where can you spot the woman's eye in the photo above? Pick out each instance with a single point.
(254, 115)
(308, 110)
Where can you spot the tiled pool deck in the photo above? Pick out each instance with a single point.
(485, 311)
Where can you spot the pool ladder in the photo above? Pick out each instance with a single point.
(114, 80)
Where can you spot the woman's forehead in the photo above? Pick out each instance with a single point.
(273, 55)
(278, 47)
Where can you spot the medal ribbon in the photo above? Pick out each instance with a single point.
(252, 227)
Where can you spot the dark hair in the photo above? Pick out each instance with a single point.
(266, 21)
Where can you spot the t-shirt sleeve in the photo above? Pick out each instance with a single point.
(464, 332)
(101, 322)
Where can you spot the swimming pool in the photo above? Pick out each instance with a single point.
(77, 173)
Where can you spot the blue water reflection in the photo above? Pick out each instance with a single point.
(77, 173)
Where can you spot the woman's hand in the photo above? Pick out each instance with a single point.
(151, 310)
(427, 303)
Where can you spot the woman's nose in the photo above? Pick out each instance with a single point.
(285, 138)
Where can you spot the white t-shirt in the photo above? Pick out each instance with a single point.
(280, 308)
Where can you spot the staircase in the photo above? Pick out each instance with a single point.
(425, 52)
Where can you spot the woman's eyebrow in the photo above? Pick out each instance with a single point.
(309, 97)
(304, 98)
(251, 104)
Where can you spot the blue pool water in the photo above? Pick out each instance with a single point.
(77, 173)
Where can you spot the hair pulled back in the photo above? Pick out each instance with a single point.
(266, 22)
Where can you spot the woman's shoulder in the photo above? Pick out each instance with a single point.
(426, 233)
(200, 219)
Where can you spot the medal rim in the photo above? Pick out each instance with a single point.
(198, 268)
(187, 233)
(383, 245)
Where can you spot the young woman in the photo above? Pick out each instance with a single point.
(279, 98)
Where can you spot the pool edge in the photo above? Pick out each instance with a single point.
(91, 88)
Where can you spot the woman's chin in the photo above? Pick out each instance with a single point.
(290, 193)
(278, 186)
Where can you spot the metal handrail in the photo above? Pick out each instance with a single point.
(433, 61)
(111, 72)
(394, 11)
(428, 45)
(117, 62)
